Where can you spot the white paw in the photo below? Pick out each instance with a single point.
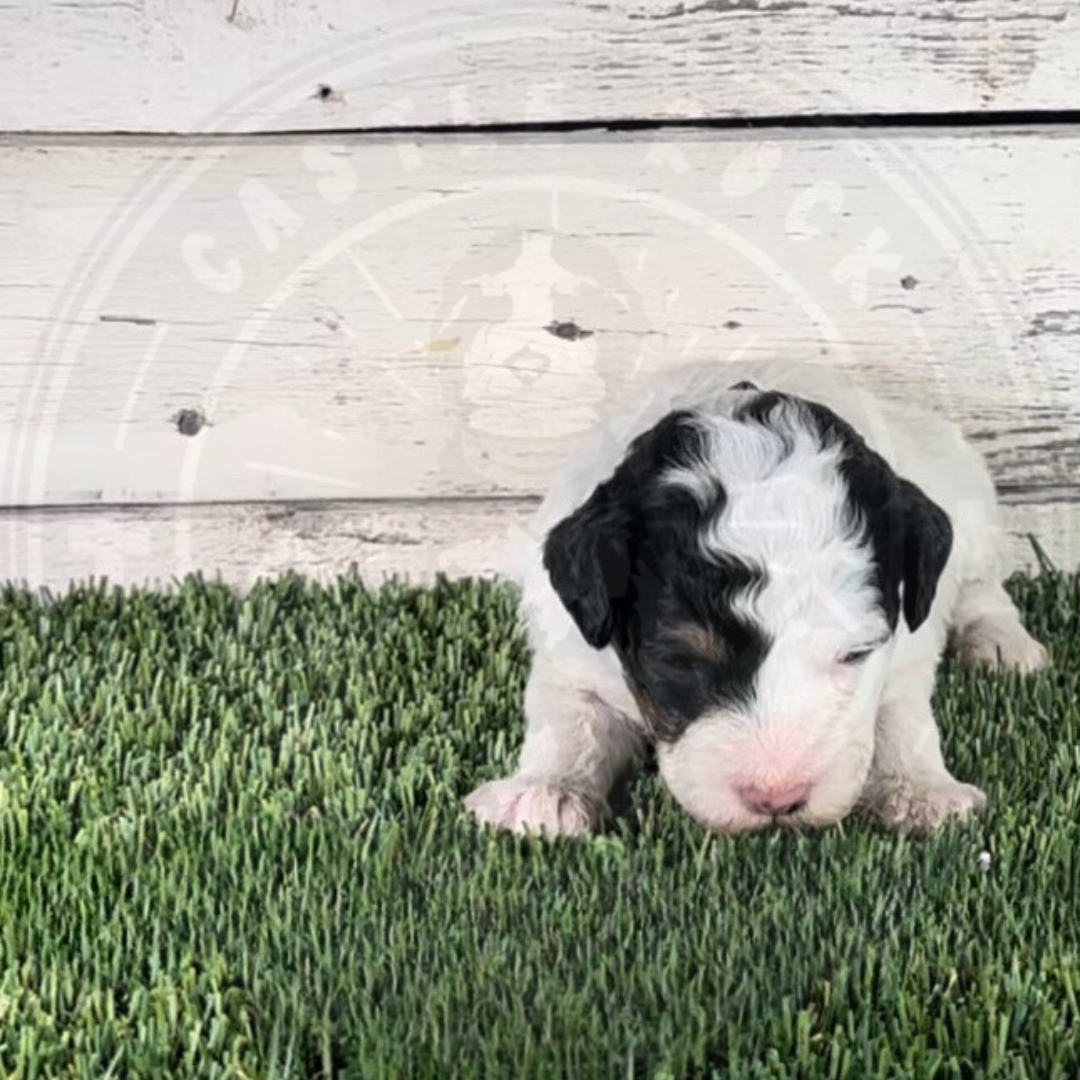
(1003, 643)
(523, 806)
(923, 807)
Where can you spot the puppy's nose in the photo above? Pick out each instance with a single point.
(775, 799)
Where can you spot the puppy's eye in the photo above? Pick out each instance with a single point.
(856, 656)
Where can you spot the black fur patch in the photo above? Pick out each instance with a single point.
(628, 569)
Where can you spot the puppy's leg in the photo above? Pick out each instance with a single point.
(576, 747)
(987, 629)
(910, 787)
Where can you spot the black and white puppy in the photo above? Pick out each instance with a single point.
(756, 568)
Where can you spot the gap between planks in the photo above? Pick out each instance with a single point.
(324, 63)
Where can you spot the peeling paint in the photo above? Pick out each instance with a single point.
(724, 7)
(397, 539)
(899, 307)
(946, 14)
(1056, 321)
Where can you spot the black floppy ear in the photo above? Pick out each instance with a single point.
(928, 538)
(587, 556)
(590, 555)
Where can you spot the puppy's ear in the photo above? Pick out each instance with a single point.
(588, 558)
(928, 538)
(912, 536)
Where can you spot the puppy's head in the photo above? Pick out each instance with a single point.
(750, 571)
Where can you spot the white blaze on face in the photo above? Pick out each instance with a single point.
(809, 725)
(809, 720)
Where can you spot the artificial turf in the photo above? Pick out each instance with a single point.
(232, 845)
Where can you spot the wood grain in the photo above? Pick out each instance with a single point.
(362, 328)
(241, 543)
(264, 65)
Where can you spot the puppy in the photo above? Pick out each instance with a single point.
(755, 569)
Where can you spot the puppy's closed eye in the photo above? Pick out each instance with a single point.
(855, 657)
(858, 655)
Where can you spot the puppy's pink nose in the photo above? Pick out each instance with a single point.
(775, 799)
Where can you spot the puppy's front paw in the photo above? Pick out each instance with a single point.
(533, 806)
(922, 807)
(1002, 643)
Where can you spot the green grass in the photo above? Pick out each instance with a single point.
(231, 845)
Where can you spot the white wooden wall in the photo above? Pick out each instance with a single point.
(302, 284)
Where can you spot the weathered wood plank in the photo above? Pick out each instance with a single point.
(141, 545)
(272, 319)
(259, 65)
(240, 543)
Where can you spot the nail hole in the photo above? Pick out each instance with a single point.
(189, 422)
(568, 331)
